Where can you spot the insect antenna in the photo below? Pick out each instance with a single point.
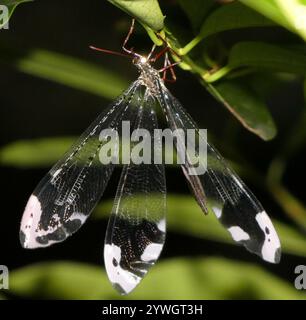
(127, 52)
(110, 51)
(127, 38)
(132, 54)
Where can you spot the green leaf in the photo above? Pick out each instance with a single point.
(290, 14)
(260, 56)
(228, 17)
(267, 56)
(67, 70)
(246, 106)
(196, 10)
(11, 5)
(147, 12)
(233, 16)
(34, 153)
(207, 226)
(211, 278)
(295, 12)
(269, 9)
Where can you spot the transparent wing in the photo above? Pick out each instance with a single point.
(65, 197)
(222, 190)
(136, 231)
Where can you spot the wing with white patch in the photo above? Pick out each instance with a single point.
(65, 197)
(136, 230)
(222, 190)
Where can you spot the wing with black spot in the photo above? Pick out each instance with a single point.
(221, 190)
(136, 230)
(65, 197)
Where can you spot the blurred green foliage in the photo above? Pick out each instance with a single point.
(288, 13)
(224, 19)
(211, 278)
(230, 77)
(68, 71)
(34, 153)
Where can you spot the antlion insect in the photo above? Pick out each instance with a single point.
(135, 236)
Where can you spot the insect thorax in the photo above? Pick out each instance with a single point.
(149, 77)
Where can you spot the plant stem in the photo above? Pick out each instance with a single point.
(217, 75)
(189, 46)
